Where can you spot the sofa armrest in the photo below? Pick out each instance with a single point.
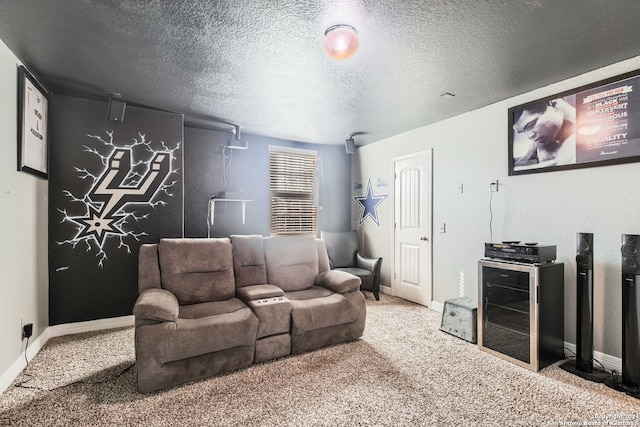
(371, 264)
(158, 305)
(256, 292)
(338, 281)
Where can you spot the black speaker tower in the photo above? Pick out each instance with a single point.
(583, 364)
(630, 382)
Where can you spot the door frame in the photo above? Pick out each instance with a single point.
(429, 219)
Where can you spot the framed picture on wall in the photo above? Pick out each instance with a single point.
(593, 125)
(33, 137)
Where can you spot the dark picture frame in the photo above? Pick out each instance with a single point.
(593, 125)
(33, 125)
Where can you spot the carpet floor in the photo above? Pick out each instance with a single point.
(403, 372)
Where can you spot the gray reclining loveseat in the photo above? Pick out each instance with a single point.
(209, 306)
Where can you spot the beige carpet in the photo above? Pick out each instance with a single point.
(403, 372)
(89, 357)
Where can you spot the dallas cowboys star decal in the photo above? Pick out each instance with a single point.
(369, 205)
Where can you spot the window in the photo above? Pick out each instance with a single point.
(293, 187)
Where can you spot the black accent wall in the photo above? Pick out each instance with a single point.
(112, 186)
(116, 185)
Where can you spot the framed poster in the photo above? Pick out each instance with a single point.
(33, 138)
(594, 125)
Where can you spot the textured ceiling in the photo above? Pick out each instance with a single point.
(260, 64)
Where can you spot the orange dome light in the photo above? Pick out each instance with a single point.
(341, 41)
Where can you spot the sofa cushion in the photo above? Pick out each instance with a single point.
(292, 262)
(316, 313)
(197, 270)
(213, 308)
(248, 260)
(312, 292)
(186, 338)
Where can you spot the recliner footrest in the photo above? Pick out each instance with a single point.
(272, 347)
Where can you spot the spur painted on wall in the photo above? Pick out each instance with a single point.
(132, 183)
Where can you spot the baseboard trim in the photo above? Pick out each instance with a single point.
(57, 331)
(18, 366)
(90, 326)
(436, 306)
(609, 362)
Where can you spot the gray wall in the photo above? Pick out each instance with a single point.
(549, 208)
(248, 173)
(23, 213)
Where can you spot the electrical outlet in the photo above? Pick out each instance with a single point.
(27, 330)
(494, 186)
(443, 227)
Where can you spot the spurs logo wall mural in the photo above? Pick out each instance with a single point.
(113, 186)
(134, 181)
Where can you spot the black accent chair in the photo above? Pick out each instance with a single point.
(344, 254)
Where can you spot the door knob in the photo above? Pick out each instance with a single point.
(424, 238)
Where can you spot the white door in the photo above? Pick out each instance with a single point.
(412, 237)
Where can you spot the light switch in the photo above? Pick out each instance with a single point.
(443, 227)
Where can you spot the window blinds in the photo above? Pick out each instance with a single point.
(292, 185)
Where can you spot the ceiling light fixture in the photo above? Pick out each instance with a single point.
(341, 41)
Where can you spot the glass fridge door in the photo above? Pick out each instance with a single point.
(506, 312)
